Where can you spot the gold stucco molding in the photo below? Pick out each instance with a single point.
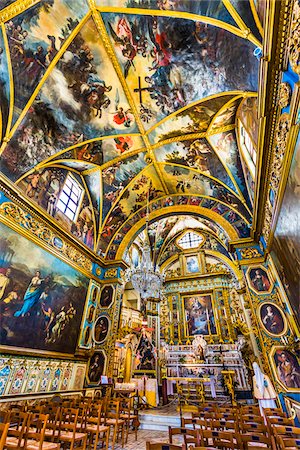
(294, 48)
(13, 214)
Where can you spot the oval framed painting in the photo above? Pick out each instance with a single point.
(106, 297)
(101, 329)
(272, 319)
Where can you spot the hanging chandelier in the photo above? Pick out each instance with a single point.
(146, 279)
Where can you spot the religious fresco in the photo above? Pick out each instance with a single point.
(197, 154)
(4, 86)
(243, 8)
(261, 7)
(226, 116)
(287, 234)
(225, 145)
(272, 319)
(34, 38)
(199, 315)
(183, 180)
(186, 61)
(45, 188)
(77, 102)
(214, 9)
(116, 177)
(248, 115)
(195, 119)
(42, 297)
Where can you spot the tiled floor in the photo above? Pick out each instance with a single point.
(143, 437)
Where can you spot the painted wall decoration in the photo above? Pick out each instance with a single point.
(42, 297)
(259, 280)
(106, 297)
(272, 319)
(287, 235)
(96, 367)
(199, 315)
(85, 340)
(45, 188)
(168, 81)
(287, 368)
(101, 329)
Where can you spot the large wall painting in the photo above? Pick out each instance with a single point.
(42, 298)
(199, 315)
(287, 235)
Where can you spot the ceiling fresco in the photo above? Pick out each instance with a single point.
(134, 99)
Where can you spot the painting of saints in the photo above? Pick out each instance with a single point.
(272, 319)
(33, 293)
(101, 329)
(199, 315)
(96, 368)
(260, 280)
(106, 296)
(288, 369)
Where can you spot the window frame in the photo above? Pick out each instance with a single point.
(80, 197)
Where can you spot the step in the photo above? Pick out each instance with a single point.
(158, 422)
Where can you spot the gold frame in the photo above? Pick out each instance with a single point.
(259, 266)
(94, 383)
(193, 294)
(274, 367)
(284, 318)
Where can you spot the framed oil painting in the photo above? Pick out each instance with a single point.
(107, 295)
(96, 367)
(272, 319)
(94, 294)
(101, 329)
(41, 297)
(286, 368)
(199, 315)
(259, 280)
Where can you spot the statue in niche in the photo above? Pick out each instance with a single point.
(199, 347)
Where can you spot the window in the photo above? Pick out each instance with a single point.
(190, 240)
(70, 197)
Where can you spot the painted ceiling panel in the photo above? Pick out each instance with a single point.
(243, 8)
(248, 114)
(117, 177)
(213, 9)
(187, 181)
(73, 105)
(35, 37)
(181, 61)
(226, 116)
(4, 86)
(194, 119)
(225, 145)
(95, 93)
(197, 154)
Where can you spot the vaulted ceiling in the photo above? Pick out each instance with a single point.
(129, 96)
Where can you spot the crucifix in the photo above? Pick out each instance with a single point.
(140, 90)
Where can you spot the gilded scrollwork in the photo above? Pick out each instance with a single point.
(294, 47)
(249, 253)
(111, 273)
(285, 93)
(18, 216)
